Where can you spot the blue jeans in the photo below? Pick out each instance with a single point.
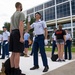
(39, 44)
(32, 50)
(5, 49)
(53, 47)
(68, 46)
(0, 48)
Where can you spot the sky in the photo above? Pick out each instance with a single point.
(7, 8)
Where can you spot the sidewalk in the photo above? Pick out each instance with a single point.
(68, 69)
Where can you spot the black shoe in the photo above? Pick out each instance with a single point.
(12, 71)
(63, 60)
(69, 58)
(46, 69)
(18, 72)
(35, 67)
(31, 54)
(58, 60)
(22, 54)
(23, 74)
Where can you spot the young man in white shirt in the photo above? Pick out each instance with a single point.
(0, 42)
(40, 29)
(5, 45)
(68, 53)
(53, 42)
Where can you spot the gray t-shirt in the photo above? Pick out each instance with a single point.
(16, 18)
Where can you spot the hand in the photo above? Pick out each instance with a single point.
(64, 43)
(29, 19)
(21, 40)
(6, 42)
(46, 41)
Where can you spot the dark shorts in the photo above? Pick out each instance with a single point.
(14, 43)
(59, 41)
(26, 44)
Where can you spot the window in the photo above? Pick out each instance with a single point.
(30, 11)
(41, 12)
(73, 7)
(63, 10)
(66, 25)
(73, 23)
(50, 3)
(73, 32)
(51, 27)
(39, 7)
(60, 1)
(32, 15)
(50, 14)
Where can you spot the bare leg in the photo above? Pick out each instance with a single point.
(26, 50)
(58, 46)
(12, 60)
(17, 60)
(62, 49)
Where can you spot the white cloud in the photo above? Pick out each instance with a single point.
(7, 8)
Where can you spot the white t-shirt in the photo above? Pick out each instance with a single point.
(6, 35)
(39, 27)
(0, 37)
(68, 36)
(54, 37)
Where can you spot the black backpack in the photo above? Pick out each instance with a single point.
(7, 66)
(54, 57)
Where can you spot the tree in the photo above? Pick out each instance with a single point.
(7, 24)
(1, 31)
(31, 31)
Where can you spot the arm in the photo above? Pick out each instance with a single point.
(8, 38)
(2, 39)
(28, 26)
(64, 38)
(70, 37)
(21, 28)
(46, 33)
(10, 29)
(52, 37)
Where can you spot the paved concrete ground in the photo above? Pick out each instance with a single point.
(68, 69)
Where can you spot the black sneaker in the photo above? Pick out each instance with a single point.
(63, 60)
(22, 54)
(46, 69)
(31, 54)
(58, 60)
(35, 67)
(18, 72)
(12, 71)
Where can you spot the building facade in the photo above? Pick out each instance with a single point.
(55, 12)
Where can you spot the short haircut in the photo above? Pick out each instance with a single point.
(18, 4)
(60, 27)
(39, 14)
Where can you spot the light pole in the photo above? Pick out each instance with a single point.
(71, 17)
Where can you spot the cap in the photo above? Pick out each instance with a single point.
(38, 13)
(4, 27)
